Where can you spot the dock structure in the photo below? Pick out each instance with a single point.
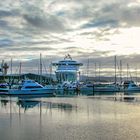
(67, 69)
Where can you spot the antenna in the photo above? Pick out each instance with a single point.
(68, 57)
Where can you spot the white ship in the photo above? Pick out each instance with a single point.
(67, 72)
(67, 69)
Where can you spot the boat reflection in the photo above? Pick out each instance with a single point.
(63, 93)
(25, 96)
(126, 97)
(27, 104)
(61, 106)
(55, 103)
(32, 96)
(36, 104)
(4, 102)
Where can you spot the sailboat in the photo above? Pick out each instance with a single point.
(130, 85)
(102, 87)
(133, 87)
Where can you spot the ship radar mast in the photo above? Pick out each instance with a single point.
(68, 57)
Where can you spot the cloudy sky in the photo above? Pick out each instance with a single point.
(87, 29)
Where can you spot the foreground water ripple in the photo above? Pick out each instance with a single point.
(70, 117)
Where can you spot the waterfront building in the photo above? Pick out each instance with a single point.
(67, 70)
(14, 78)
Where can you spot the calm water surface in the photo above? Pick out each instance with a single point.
(70, 117)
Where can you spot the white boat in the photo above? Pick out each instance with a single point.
(100, 87)
(132, 87)
(129, 86)
(29, 87)
(107, 88)
(67, 86)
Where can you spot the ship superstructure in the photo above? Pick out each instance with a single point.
(67, 70)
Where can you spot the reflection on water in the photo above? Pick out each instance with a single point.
(71, 116)
(27, 104)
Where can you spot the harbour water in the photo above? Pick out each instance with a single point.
(71, 116)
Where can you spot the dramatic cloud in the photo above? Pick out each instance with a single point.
(50, 23)
(92, 29)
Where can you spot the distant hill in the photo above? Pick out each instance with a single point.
(107, 79)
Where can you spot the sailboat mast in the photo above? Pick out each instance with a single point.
(50, 72)
(115, 69)
(87, 68)
(95, 70)
(11, 69)
(40, 64)
(20, 71)
(127, 70)
(121, 71)
(99, 71)
(40, 70)
(11, 66)
(136, 76)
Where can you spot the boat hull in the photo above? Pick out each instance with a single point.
(3, 91)
(133, 89)
(99, 89)
(31, 92)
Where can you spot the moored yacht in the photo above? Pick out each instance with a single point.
(29, 87)
(100, 87)
(106, 88)
(132, 87)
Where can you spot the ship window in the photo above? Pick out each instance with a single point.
(133, 85)
(3, 86)
(33, 87)
(30, 81)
